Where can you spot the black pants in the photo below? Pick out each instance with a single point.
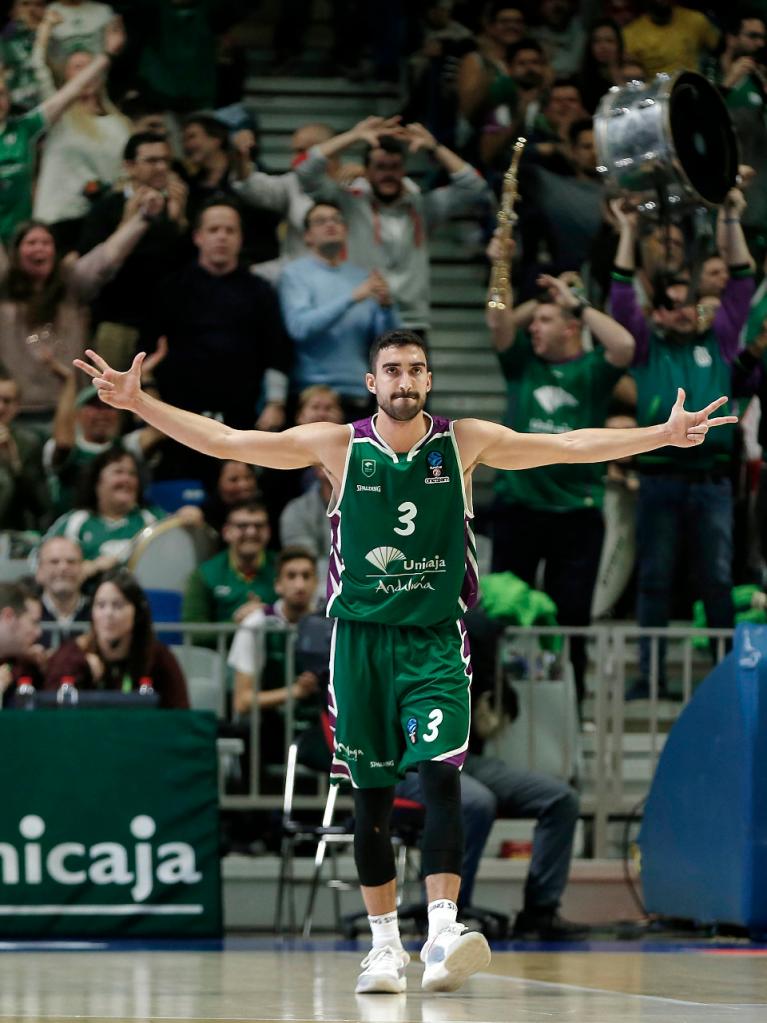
(571, 544)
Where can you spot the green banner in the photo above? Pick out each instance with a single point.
(109, 824)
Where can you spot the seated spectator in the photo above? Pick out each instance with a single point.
(215, 168)
(236, 482)
(283, 194)
(560, 31)
(83, 428)
(59, 576)
(43, 306)
(712, 280)
(16, 45)
(216, 315)
(77, 26)
(81, 154)
(19, 635)
(120, 648)
(554, 385)
(602, 61)
(304, 523)
(124, 311)
(24, 499)
(333, 311)
(388, 217)
(258, 657)
(230, 585)
(316, 404)
(19, 134)
(110, 512)
(484, 76)
(669, 37)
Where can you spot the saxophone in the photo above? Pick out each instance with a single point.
(500, 278)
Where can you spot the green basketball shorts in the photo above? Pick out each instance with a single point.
(398, 695)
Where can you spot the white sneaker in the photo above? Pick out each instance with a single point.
(452, 956)
(383, 971)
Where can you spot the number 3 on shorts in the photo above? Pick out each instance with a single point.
(408, 512)
(435, 720)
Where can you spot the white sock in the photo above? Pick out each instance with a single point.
(442, 913)
(385, 930)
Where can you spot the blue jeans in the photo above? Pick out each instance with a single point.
(490, 789)
(675, 512)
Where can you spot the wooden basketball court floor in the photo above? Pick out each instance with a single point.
(262, 980)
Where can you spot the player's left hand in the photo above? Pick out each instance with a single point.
(689, 429)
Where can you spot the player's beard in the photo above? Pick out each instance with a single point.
(402, 411)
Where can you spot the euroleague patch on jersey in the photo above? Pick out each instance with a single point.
(436, 464)
(412, 730)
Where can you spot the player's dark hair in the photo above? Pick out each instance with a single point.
(396, 339)
(288, 554)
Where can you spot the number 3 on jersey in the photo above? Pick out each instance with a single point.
(408, 512)
(435, 720)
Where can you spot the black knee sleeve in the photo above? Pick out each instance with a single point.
(442, 844)
(373, 853)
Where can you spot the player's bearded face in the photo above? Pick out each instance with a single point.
(402, 405)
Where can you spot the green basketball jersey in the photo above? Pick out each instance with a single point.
(402, 548)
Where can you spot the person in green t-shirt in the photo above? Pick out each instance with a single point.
(554, 385)
(19, 134)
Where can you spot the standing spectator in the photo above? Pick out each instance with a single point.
(124, 311)
(77, 27)
(216, 166)
(283, 194)
(236, 482)
(110, 512)
(120, 648)
(560, 32)
(554, 385)
(238, 580)
(42, 305)
(333, 311)
(520, 113)
(484, 76)
(683, 497)
(669, 38)
(16, 44)
(81, 154)
(18, 135)
(24, 499)
(565, 213)
(388, 217)
(216, 315)
(741, 75)
(59, 576)
(601, 66)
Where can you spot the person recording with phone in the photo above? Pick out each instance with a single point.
(124, 310)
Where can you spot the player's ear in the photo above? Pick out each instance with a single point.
(370, 382)
(428, 381)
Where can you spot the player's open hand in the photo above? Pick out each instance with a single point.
(689, 429)
(120, 390)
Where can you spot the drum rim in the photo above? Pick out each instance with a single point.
(143, 539)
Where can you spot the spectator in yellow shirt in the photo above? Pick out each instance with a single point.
(669, 37)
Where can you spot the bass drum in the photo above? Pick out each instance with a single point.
(668, 142)
(167, 552)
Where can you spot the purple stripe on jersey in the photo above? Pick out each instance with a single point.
(441, 424)
(364, 428)
(470, 586)
(334, 561)
(457, 760)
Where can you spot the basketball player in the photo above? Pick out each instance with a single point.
(402, 573)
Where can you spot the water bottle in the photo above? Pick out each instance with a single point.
(145, 687)
(67, 695)
(25, 694)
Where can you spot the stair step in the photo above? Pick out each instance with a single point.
(456, 406)
(465, 362)
(319, 86)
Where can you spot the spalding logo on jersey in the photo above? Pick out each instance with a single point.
(436, 462)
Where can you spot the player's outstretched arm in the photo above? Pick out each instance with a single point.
(501, 448)
(301, 446)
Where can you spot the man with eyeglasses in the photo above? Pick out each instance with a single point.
(124, 309)
(234, 583)
(333, 310)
